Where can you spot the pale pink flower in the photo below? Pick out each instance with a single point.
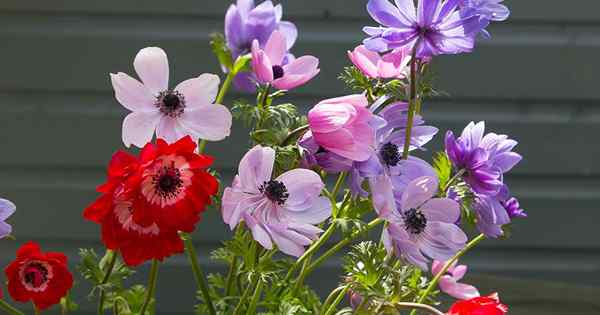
(268, 64)
(187, 109)
(449, 281)
(375, 66)
(284, 211)
(341, 125)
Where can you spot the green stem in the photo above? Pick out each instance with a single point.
(453, 179)
(294, 134)
(220, 97)
(197, 270)
(449, 263)
(337, 300)
(343, 244)
(230, 276)
(415, 306)
(330, 297)
(412, 103)
(262, 105)
(243, 299)
(338, 185)
(9, 309)
(36, 310)
(109, 270)
(311, 250)
(151, 286)
(255, 298)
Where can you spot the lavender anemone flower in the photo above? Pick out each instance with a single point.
(283, 210)
(491, 215)
(7, 208)
(449, 281)
(486, 11)
(386, 159)
(422, 228)
(245, 23)
(483, 158)
(436, 27)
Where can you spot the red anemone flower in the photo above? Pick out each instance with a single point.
(482, 305)
(43, 278)
(146, 201)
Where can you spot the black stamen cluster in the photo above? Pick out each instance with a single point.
(275, 191)
(414, 221)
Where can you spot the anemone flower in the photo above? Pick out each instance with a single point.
(268, 64)
(7, 208)
(422, 227)
(449, 281)
(283, 211)
(436, 27)
(375, 66)
(187, 109)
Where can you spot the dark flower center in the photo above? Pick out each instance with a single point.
(278, 72)
(168, 182)
(35, 274)
(171, 103)
(414, 221)
(425, 31)
(275, 191)
(389, 154)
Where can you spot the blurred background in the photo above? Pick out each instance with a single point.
(534, 80)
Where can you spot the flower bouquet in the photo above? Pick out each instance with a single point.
(350, 178)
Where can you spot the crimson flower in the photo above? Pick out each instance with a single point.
(39, 277)
(147, 200)
(482, 305)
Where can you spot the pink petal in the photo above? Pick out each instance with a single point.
(276, 48)
(232, 204)
(199, 91)
(457, 290)
(152, 66)
(132, 94)
(441, 209)
(459, 272)
(287, 246)
(211, 122)
(139, 127)
(326, 117)
(259, 233)
(383, 196)
(359, 100)
(169, 129)
(262, 66)
(303, 186)
(318, 212)
(290, 31)
(365, 62)
(418, 192)
(256, 168)
(298, 72)
(436, 267)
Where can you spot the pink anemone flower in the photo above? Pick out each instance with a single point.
(187, 109)
(449, 281)
(268, 64)
(391, 65)
(283, 210)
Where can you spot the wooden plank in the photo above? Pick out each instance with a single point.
(534, 10)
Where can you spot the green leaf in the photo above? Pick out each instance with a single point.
(443, 168)
(220, 49)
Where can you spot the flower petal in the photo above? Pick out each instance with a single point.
(317, 213)
(132, 94)
(170, 130)
(290, 31)
(262, 66)
(276, 48)
(139, 127)
(256, 168)
(199, 91)
(152, 66)
(303, 186)
(386, 13)
(7, 208)
(210, 122)
(441, 209)
(457, 290)
(418, 192)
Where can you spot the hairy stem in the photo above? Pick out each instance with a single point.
(337, 300)
(243, 298)
(415, 306)
(371, 225)
(108, 272)
(151, 286)
(9, 309)
(197, 270)
(412, 103)
(311, 250)
(294, 134)
(433, 283)
(331, 297)
(255, 298)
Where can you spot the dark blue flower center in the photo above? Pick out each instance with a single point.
(171, 103)
(277, 72)
(168, 182)
(275, 191)
(35, 274)
(425, 31)
(389, 154)
(414, 221)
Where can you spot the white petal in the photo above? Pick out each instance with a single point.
(132, 94)
(207, 121)
(152, 65)
(199, 91)
(170, 130)
(139, 127)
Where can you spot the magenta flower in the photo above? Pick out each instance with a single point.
(172, 114)
(436, 27)
(423, 227)
(7, 208)
(283, 210)
(449, 281)
(391, 65)
(268, 64)
(341, 125)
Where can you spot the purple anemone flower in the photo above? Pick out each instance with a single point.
(491, 215)
(513, 208)
(486, 10)
(314, 155)
(483, 158)
(7, 208)
(245, 23)
(422, 227)
(436, 27)
(283, 210)
(386, 159)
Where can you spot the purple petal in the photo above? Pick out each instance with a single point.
(303, 186)
(418, 192)
(385, 13)
(441, 209)
(256, 168)
(7, 208)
